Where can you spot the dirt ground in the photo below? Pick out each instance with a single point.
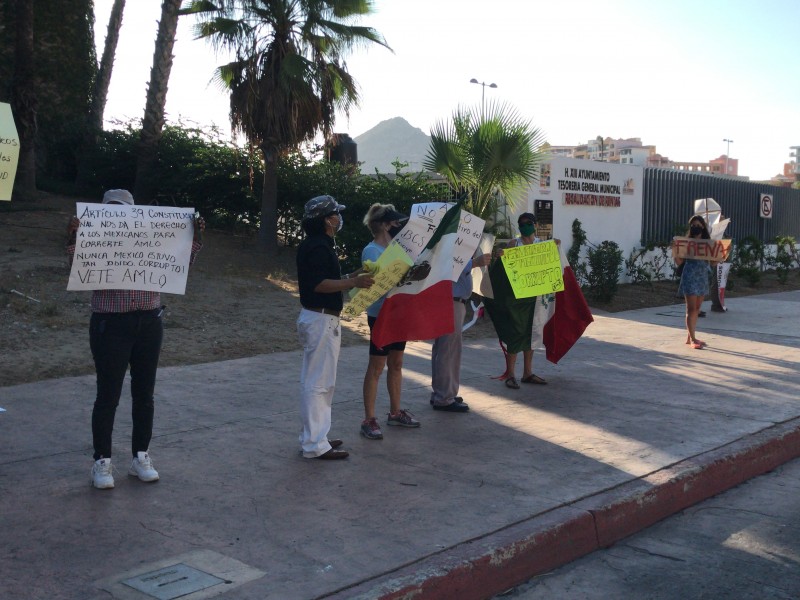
(237, 303)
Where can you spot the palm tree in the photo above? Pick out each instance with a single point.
(153, 122)
(288, 75)
(486, 154)
(24, 102)
(102, 80)
(103, 77)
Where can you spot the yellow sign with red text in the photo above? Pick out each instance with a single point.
(9, 151)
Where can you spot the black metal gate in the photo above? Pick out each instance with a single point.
(669, 195)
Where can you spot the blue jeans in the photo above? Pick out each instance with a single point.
(118, 340)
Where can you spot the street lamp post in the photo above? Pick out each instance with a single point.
(602, 143)
(727, 152)
(483, 85)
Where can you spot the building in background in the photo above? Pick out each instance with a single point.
(631, 151)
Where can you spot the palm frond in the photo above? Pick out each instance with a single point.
(486, 151)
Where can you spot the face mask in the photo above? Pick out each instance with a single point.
(341, 222)
(696, 230)
(395, 229)
(526, 230)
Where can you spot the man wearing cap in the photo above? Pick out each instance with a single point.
(321, 285)
(126, 328)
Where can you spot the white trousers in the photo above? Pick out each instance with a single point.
(321, 339)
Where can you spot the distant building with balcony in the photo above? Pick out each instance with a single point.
(788, 177)
(558, 151)
(631, 151)
(636, 156)
(715, 166)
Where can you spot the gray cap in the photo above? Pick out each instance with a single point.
(321, 206)
(118, 197)
(390, 215)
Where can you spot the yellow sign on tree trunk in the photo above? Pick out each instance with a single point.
(9, 151)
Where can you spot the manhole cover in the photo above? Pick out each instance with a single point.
(172, 582)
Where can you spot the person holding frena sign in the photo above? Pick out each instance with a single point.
(694, 281)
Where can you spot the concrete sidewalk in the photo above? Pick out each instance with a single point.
(633, 426)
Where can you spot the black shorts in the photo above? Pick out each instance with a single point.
(374, 350)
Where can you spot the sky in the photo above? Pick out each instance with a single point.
(682, 75)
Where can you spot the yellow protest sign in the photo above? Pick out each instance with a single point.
(9, 151)
(534, 269)
(388, 270)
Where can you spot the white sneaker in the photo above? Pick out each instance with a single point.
(142, 467)
(101, 474)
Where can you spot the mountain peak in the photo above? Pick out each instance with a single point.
(392, 140)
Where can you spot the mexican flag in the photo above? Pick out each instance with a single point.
(561, 318)
(553, 321)
(423, 310)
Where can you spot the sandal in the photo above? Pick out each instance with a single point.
(533, 379)
(697, 345)
(512, 383)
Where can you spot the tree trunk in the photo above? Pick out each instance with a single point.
(24, 103)
(101, 84)
(99, 95)
(153, 122)
(268, 230)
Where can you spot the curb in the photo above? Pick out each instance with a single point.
(486, 566)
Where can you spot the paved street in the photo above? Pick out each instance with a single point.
(744, 543)
(634, 426)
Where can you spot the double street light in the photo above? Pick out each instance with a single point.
(727, 152)
(483, 85)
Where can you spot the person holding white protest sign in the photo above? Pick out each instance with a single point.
(126, 329)
(384, 222)
(320, 283)
(694, 281)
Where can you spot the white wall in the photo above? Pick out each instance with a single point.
(612, 195)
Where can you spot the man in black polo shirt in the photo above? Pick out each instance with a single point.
(321, 284)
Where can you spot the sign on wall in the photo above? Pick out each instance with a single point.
(121, 247)
(765, 206)
(605, 197)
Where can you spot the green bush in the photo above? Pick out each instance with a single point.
(641, 269)
(605, 264)
(300, 178)
(785, 256)
(574, 253)
(747, 260)
(196, 167)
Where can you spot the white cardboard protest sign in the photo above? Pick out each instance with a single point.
(122, 247)
(424, 219)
